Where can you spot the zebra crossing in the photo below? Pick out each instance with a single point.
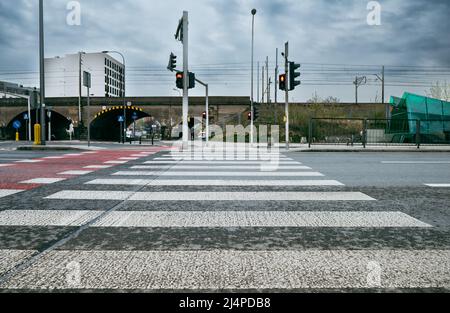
(187, 208)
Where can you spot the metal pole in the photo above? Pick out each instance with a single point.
(268, 80)
(251, 97)
(186, 78)
(207, 113)
(276, 79)
(89, 116)
(356, 89)
(124, 99)
(29, 118)
(286, 68)
(49, 114)
(42, 70)
(79, 88)
(257, 82)
(262, 85)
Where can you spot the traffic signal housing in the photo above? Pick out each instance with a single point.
(249, 116)
(293, 74)
(282, 80)
(172, 62)
(204, 115)
(180, 81)
(255, 112)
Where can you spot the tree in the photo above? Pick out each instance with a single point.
(440, 91)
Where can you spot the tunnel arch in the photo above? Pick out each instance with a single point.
(59, 125)
(105, 125)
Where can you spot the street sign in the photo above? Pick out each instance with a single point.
(25, 117)
(86, 79)
(17, 124)
(134, 116)
(120, 119)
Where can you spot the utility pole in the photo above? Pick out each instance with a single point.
(268, 80)
(252, 99)
(257, 82)
(276, 87)
(262, 86)
(42, 69)
(79, 87)
(358, 82)
(286, 105)
(185, 40)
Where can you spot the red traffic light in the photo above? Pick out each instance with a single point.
(282, 78)
(179, 76)
(249, 116)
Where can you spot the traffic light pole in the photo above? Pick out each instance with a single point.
(41, 69)
(186, 80)
(286, 65)
(207, 108)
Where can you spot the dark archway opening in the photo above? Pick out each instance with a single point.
(106, 126)
(59, 125)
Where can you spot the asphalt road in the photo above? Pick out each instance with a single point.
(146, 220)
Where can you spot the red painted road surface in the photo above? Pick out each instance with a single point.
(11, 176)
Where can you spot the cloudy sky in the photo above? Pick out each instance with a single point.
(331, 39)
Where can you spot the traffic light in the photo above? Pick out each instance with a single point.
(255, 112)
(180, 81)
(172, 62)
(249, 116)
(282, 80)
(293, 75)
(204, 115)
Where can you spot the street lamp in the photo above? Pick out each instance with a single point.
(253, 42)
(124, 100)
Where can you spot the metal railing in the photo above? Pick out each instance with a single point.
(363, 132)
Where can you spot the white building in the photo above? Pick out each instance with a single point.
(62, 75)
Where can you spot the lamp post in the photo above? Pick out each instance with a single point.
(41, 70)
(251, 97)
(124, 100)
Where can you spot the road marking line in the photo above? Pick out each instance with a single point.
(73, 154)
(209, 196)
(6, 165)
(199, 162)
(238, 270)
(97, 166)
(151, 182)
(128, 158)
(438, 185)
(225, 174)
(415, 162)
(54, 157)
(206, 158)
(47, 217)
(8, 192)
(75, 172)
(90, 152)
(43, 181)
(193, 219)
(219, 167)
(115, 162)
(29, 161)
(258, 219)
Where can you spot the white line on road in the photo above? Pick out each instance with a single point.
(199, 162)
(6, 165)
(258, 219)
(115, 162)
(8, 192)
(129, 158)
(438, 185)
(75, 172)
(415, 162)
(238, 270)
(268, 183)
(217, 174)
(54, 157)
(347, 219)
(97, 166)
(29, 161)
(43, 181)
(47, 217)
(218, 167)
(208, 196)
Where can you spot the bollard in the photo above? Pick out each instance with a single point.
(17, 136)
(37, 134)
